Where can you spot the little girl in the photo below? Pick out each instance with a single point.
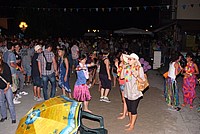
(81, 91)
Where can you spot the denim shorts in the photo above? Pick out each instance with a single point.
(27, 69)
(114, 74)
(122, 87)
(37, 81)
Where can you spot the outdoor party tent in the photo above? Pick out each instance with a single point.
(131, 31)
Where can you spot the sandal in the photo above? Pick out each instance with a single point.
(191, 107)
(183, 105)
(178, 108)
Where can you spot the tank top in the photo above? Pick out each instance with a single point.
(171, 72)
(103, 67)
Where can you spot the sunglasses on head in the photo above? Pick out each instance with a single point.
(131, 58)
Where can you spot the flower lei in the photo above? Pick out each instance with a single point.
(128, 73)
(188, 69)
(119, 70)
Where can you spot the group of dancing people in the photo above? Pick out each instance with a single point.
(129, 71)
(189, 72)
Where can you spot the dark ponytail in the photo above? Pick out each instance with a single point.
(1, 62)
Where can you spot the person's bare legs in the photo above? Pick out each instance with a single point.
(99, 87)
(35, 91)
(70, 95)
(97, 81)
(38, 92)
(106, 92)
(63, 91)
(94, 78)
(93, 83)
(85, 103)
(28, 79)
(102, 92)
(114, 81)
(90, 76)
(129, 115)
(124, 113)
(132, 122)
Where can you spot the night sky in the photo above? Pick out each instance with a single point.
(48, 17)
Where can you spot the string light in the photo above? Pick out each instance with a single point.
(109, 9)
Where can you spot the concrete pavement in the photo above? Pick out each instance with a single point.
(154, 116)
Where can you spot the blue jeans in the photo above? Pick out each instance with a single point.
(9, 97)
(45, 80)
(21, 80)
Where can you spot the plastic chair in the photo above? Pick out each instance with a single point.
(85, 130)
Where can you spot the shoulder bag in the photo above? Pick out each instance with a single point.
(143, 85)
(48, 64)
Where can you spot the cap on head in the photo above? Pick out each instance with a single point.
(37, 47)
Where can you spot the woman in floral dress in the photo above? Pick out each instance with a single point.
(189, 80)
(64, 72)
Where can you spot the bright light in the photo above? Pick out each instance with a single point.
(23, 26)
(146, 30)
(151, 26)
(94, 30)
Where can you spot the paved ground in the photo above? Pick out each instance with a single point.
(154, 116)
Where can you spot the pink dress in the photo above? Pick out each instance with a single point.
(189, 84)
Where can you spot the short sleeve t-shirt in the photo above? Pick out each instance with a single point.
(9, 57)
(34, 63)
(74, 51)
(26, 55)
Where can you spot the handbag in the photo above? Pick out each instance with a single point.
(48, 64)
(142, 85)
(165, 75)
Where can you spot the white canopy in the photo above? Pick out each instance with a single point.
(132, 30)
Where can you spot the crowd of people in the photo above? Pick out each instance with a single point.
(39, 62)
